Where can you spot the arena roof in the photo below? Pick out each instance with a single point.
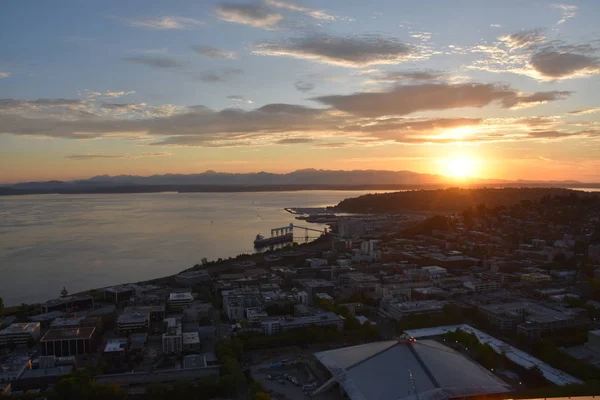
(393, 370)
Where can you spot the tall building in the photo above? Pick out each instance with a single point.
(20, 333)
(172, 340)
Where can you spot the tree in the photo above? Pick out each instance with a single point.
(204, 261)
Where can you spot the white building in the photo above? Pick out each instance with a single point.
(179, 301)
(482, 286)
(20, 333)
(172, 340)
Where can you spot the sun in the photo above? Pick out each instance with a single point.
(460, 167)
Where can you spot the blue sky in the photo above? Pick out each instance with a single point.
(503, 89)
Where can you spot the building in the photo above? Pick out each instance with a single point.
(115, 350)
(69, 303)
(156, 312)
(482, 286)
(20, 334)
(237, 302)
(12, 367)
(273, 326)
(133, 322)
(314, 286)
(190, 340)
(433, 272)
(594, 340)
(301, 297)
(594, 252)
(392, 370)
(172, 340)
(399, 310)
(535, 277)
(197, 312)
(528, 318)
(68, 342)
(349, 228)
(388, 291)
(179, 301)
(118, 294)
(192, 278)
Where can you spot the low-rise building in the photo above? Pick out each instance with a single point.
(179, 301)
(314, 286)
(190, 340)
(68, 342)
(481, 286)
(133, 322)
(535, 277)
(399, 310)
(12, 367)
(156, 312)
(172, 339)
(118, 294)
(19, 334)
(69, 303)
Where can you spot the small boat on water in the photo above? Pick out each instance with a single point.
(262, 241)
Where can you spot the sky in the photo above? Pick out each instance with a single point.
(465, 88)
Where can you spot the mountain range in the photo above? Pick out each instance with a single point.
(300, 179)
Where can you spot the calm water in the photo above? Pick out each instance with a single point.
(88, 241)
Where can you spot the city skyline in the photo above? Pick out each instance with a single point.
(503, 90)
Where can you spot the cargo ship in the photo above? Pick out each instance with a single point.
(262, 241)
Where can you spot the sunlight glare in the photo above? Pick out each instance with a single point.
(460, 167)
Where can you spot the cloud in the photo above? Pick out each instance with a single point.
(555, 65)
(294, 141)
(402, 100)
(399, 76)
(568, 11)
(239, 98)
(107, 94)
(255, 15)
(355, 51)
(161, 62)
(213, 52)
(523, 38)
(89, 156)
(221, 75)
(495, 26)
(583, 111)
(331, 145)
(365, 122)
(5, 75)
(165, 23)
(287, 5)
(303, 86)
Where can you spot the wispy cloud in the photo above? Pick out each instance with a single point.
(92, 156)
(240, 99)
(222, 75)
(213, 52)
(295, 141)
(156, 61)
(355, 51)
(568, 11)
(165, 23)
(582, 111)
(5, 75)
(287, 5)
(495, 26)
(303, 86)
(255, 15)
(109, 94)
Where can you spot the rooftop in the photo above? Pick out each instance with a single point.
(115, 346)
(68, 299)
(186, 296)
(394, 369)
(21, 327)
(316, 283)
(66, 334)
(133, 318)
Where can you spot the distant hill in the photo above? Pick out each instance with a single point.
(452, 199)
(211, 181)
